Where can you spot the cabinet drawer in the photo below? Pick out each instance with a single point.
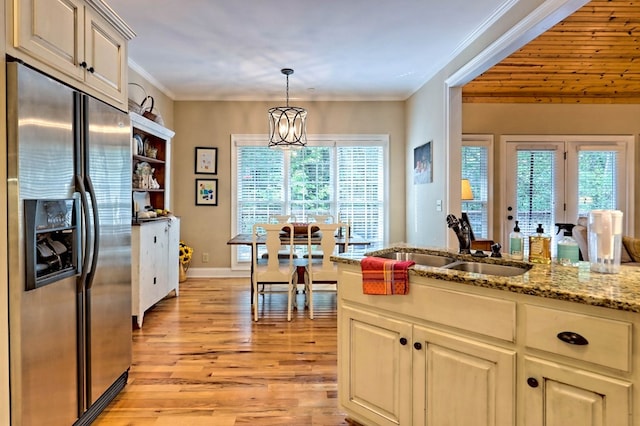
(488, 316)
(608, 342)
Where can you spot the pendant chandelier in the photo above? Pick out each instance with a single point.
(287, 125)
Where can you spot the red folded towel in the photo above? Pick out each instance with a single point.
(385, 276)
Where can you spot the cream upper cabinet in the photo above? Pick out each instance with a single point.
(75, 41)
(105, 58)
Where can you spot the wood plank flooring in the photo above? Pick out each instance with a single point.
(199, 359)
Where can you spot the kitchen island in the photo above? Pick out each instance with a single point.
(553, 345)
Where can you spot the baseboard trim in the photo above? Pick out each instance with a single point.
(217, 273)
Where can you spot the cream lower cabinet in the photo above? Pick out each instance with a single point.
(450, 354)
(559, 395)
(154, 268)
(400, 363)
(461, 381)
(375, 368)
(576, 368)
(404, 374)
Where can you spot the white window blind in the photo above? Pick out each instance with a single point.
(475, 165)
(360, 183)
(597, 172)
(345, 179)
(311, 189)
(535, 190)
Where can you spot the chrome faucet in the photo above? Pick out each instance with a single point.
(462, 232)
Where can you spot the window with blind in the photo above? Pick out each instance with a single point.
(476, 156)
(345, 178)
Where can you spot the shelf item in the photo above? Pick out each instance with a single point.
(150, 175)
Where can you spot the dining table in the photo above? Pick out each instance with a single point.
(246, 239)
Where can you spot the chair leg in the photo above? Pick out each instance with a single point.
(290, 294)
(309, 295)
(255, 298)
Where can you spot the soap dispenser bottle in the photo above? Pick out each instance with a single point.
(516, 243)
(568, 252)
(540, 246)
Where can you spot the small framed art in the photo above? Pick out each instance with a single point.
(206, 160)
(423, 164)
(206, 192)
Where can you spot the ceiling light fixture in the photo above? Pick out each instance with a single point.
(287, 125)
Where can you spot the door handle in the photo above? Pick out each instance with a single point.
(96, 232)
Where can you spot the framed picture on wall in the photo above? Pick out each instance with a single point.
(206, 192)
(423, 164)
(206, 160)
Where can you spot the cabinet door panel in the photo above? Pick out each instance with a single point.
(461, 382)
(106, 58)
(564, 395)
(376, 369)
(51, 31)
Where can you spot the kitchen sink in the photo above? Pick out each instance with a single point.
(419, 258)
(487, 268)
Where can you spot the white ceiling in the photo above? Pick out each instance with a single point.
(339, 49)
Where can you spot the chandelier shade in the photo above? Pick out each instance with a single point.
(287, 124)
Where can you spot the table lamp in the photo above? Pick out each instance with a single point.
(467, 193)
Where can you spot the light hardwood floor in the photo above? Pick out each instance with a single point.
(199, 359)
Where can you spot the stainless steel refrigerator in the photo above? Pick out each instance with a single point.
(69, 210)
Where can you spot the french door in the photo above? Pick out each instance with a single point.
(556, 179)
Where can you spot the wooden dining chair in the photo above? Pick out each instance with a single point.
(274, 269)
(319, 267)
(322, 218)
(284, 250)
(281, 218)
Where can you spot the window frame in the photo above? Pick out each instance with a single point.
(330, 140)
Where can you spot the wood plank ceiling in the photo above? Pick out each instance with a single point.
(593, 56)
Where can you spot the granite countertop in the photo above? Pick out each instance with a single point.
(571, 283)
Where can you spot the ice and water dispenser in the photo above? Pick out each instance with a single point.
(52, 240)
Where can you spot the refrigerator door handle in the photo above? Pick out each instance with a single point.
(95, 233)
(85, 213)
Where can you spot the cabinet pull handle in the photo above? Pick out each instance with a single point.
(532, 382)
(572, 338)
(403, 341)
(417, 345)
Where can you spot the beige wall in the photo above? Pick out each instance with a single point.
(162, 103)
(207, 228)
(435, 113)
(550, 119)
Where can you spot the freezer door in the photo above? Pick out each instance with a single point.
(108, 297)
(43, 344)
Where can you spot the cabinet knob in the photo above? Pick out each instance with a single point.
(91, 70)
(417, 345)
(83, 64)
(532, 382)
(403, 341)
(572, 338)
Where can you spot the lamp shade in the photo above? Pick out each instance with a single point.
(467, 193)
